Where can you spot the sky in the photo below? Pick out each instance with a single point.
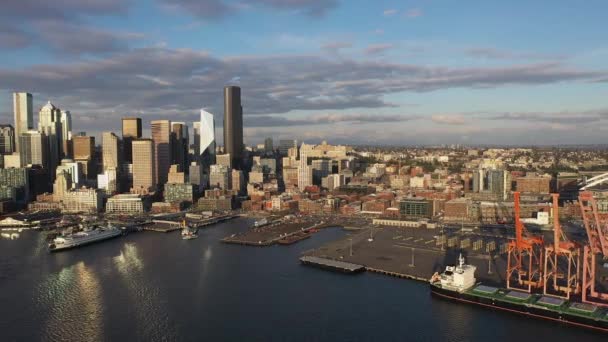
(358, 71)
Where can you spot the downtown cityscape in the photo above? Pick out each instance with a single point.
(152, 192)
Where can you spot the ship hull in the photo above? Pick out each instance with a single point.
(520, 309)
(58, 248)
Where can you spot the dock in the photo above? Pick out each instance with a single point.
(341, 266)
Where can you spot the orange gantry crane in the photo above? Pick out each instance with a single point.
(597, 234)
(524, 262)
(562, 260)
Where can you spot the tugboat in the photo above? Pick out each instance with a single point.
(458, 283)
(187, 232)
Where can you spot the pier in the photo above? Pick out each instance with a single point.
(341, 266)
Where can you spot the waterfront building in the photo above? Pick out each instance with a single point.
(62, 184)
(144, 171)
(7, 139)
(108, 181)
(82, 200)
(131, 130)
(125, 204)
(161, 135)
(23, 110)
(233, 125)
(179, 192)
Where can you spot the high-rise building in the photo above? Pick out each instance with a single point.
(23, 110)
(176, 175)
(131, 129)
(144, 170)
(220, 177)
(196, 137)
(206, 142)
(499, 183)
(161, 135)
(49, 123)
(66, 133)
(84, 150)
(109, 150)
(7, 139)
(268, 148)
(224, 159)
(179, 144)
(33, 149)
(238, 181)
(233, 125)
(197, 177)
(73, 169)
(285, 145)
(304, 173)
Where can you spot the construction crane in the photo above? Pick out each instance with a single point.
(597, 234)
(562, 260)
(524, 262)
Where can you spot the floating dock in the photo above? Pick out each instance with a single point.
(345, 267)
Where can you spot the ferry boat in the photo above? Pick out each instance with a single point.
(458, 283)
(90, 234)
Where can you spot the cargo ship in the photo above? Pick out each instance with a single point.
(458, 283)
(90, 234)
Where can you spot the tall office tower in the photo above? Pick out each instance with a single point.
(285, 145)
(144, 170)
(220, 177)
(479, 180)
(304, 173)
(233, 125)
(499, 183)
(196, 176)
(66, 133)
(161, 135)
(110, 151)
(206, 141)
(131, 129)
(24, 115)
(49, 123)
(7, 139)
(224, 159)
(268, 148)
(33, 149)
(84, 149)
(196, 138)
(179, 145)
(238, 181)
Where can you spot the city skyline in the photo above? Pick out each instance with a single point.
(421, 73)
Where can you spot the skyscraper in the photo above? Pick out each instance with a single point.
(66, 133)
(49, 123)
(268, 148)
(161, 135)
(7, 139)
(233, 124)
(196, 138)
(109, 151)
(84, 149)
(33, 149)
(131, 129)
(179, 144)
(304, 173)
(144, 170)
(206, 141)
(24, 115)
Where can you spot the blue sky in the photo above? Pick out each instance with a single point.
(379, 72)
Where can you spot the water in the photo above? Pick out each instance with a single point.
(157, 287)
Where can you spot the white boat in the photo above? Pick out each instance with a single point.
(261, 223)
(188, 233)
(88, 235)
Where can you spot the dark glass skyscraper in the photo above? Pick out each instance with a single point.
(233, 125)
